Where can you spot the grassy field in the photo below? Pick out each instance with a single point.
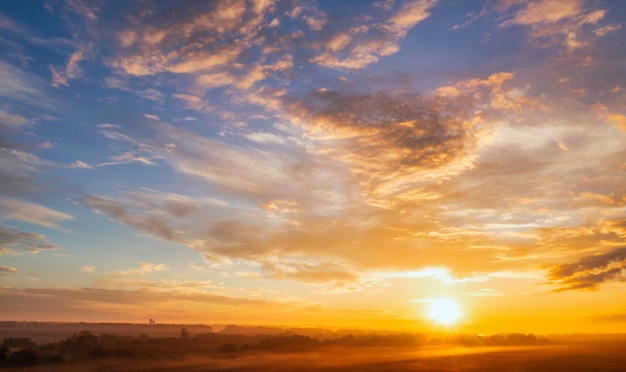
(576, 356)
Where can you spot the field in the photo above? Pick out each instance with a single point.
(592, 355)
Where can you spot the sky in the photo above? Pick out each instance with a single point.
(319, 164)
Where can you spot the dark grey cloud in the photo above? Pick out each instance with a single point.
(588, 272)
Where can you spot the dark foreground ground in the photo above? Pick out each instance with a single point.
(592, 355)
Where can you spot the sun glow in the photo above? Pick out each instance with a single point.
(444, 311)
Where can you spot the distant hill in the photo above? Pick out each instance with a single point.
(42, 332)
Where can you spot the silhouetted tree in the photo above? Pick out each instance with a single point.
(23, 358)
(80, 346)
(55, 359)
(228, 348)
(19, 342)
(4, 352)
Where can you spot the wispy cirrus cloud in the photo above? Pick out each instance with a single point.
(84, 8)
(13, 242)
(147, 93)
(17, 169)
(365, 40)
(20, 210)
(96, 302)
(141, 269)
(21, 87)
(125, 158)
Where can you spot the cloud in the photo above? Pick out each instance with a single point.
(344, 173)
(32, 213)
(58, 77)
(72, 68)
(214, 43)
(8, 24)
(152, 117)
(153, 222)
(111, 132)
(241, 169)
(317, 195)
(141, 269)
(485, 292)
(606, 200)
(547, 11)
(588, 272)
(617, 317)
(17, 169)
(83, 8)
(140, 276)
(393, 143)
(214, 35)
(304, 270)
(314, 18)
(21, 87)
(8, 269)
(16, 242)
(496, 89)
(127, 158)
(10, 123)
(78, 164)
(194, 102)
(615, 118)
(45, 145)
(573, 24)
(88, 269)
(148, 93)
(333, 247)
(133, 302)
(366, 40)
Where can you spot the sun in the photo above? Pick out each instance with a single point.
(444, 311)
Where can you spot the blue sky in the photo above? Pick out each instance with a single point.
(332, 163)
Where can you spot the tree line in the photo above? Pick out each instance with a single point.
(23, 352)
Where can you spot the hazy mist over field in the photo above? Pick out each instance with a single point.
(47, 346)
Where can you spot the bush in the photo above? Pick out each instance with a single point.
(23, 358)
(228, 348)
(55, 359)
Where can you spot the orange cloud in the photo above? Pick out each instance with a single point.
(496, 90)
(391, 143)
(205, 29)
(568, 22)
